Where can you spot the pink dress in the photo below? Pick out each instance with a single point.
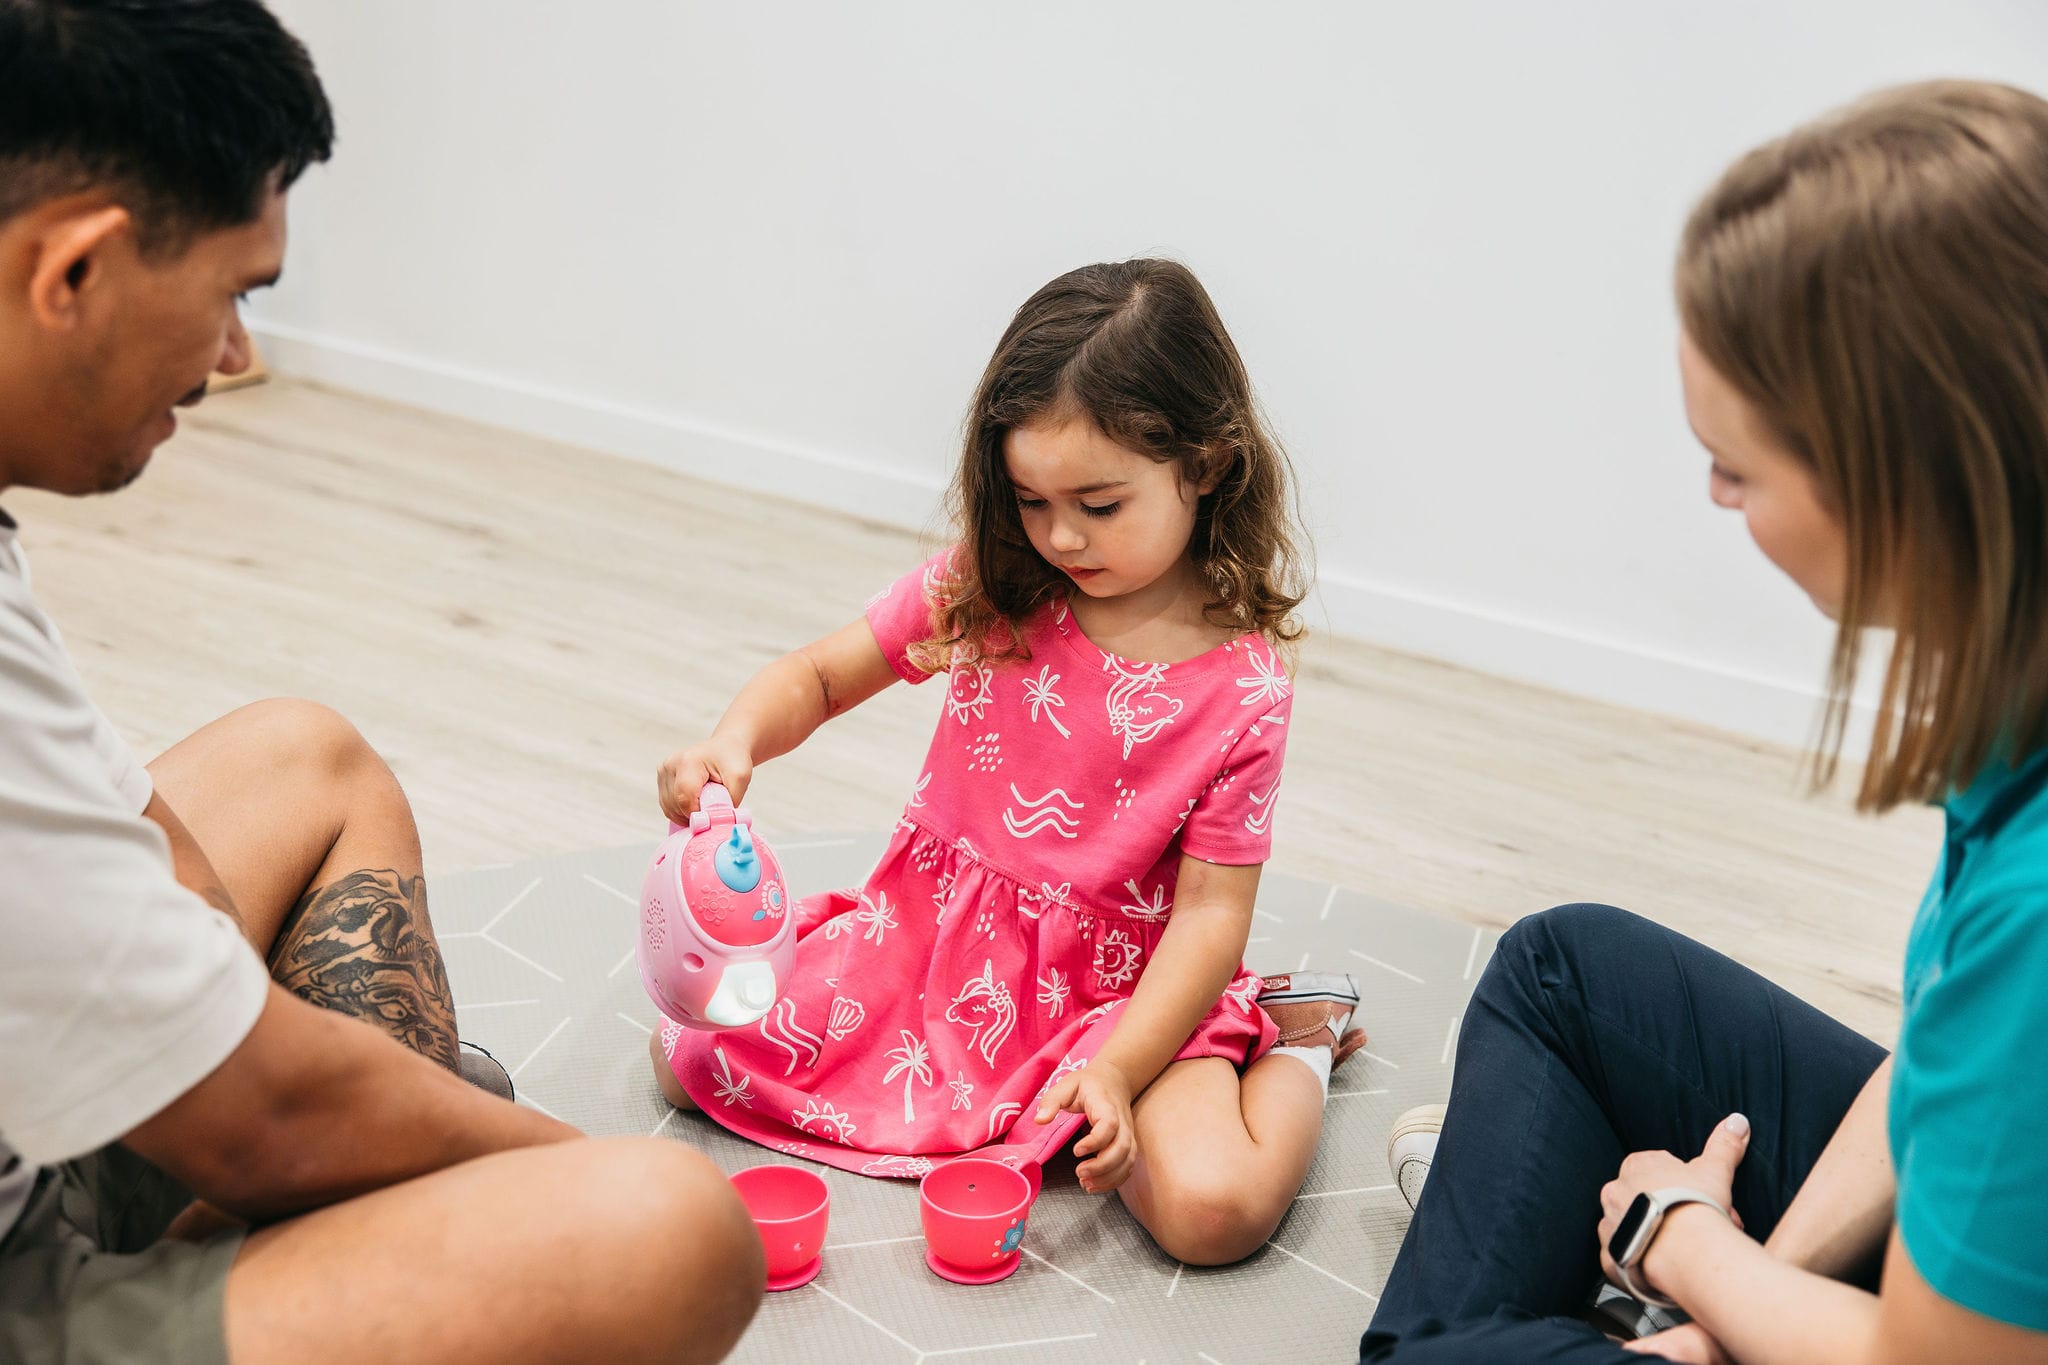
(1025, 888)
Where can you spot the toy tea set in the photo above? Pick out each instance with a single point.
(717, 945)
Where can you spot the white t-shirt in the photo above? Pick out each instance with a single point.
(119, 989)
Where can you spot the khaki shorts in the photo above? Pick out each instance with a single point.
(85, 1280)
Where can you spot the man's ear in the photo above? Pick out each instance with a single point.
(70, 259)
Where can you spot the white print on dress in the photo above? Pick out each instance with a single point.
(1242, 996)
(987, 753)
(1040, 697)
(819, 1119)
(1270, 718)
(730, 1090)
(1000, 1116)
(1153, 910)
(1181, 823)
(671, 1034)
(1267, 682)
(1034, 816)
(903, 1167)
(795, 1040)
(1116, 959)
(985, 1006)
(847, 1015)
(942, 891)
(877, 915)
(1052, 992)
(912, 1063)
(1138, 710)
(968, 692)
(1069, 1064)
(1124, 797)
(917, 792)
(963, 1090)
(1261, 818)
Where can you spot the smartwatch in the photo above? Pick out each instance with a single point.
(1638, 1228)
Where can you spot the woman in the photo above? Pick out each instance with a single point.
(1864, 306)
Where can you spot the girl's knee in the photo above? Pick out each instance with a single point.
(665, 1075)
(1211, 1219)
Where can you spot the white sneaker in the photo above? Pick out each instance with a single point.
(1412, 1146)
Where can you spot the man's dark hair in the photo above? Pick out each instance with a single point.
(189, 111)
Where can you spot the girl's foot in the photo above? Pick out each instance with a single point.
(1313, 1009)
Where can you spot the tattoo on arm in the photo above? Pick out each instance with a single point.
(363, 946)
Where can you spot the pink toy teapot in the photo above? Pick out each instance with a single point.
(717, 939)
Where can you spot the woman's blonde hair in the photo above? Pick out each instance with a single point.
(1138, 348)
(1875, 284)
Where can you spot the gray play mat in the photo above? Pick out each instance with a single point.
(541, 959)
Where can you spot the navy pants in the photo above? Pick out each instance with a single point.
(1595, 1033)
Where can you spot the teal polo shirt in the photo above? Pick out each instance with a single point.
(1969, 1100)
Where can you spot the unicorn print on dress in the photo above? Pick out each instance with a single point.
(985, 1005)
(1138, 709)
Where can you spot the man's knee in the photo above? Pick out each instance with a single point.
(669, 1213)
(307, 733)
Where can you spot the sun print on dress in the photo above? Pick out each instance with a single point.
(969, 692)
(1116, 959)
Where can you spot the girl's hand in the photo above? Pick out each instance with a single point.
(1711, 1173)
(683, 776)
(1103, 1093)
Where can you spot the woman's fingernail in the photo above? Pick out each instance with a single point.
(1738, 1124)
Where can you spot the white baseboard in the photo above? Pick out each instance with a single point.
(1459, 633)
(707, 451)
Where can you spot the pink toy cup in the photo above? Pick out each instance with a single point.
(973, 1211)
(974, 1207)
(789, 1206)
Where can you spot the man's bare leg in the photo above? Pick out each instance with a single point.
(619, 1249)
(314, 843)
(615, 1250)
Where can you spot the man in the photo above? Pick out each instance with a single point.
(201, 1159)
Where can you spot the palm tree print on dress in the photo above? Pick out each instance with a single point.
(912, 1063)
(1040, 697)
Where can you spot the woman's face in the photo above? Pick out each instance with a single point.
(1752, 473)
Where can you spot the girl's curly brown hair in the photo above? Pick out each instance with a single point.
(1137, 347)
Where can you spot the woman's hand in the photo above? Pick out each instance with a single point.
(1103, 1093)
(1712, 1173)
(683, 776)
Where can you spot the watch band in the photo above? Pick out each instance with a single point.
(1662, 1202)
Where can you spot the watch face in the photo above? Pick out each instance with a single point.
(1625, 1231)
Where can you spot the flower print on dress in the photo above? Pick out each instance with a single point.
(1053, 992)
(819, 1118)
(1043, 700)
(985, 1006)
(912, 1062)
(1267, 682)
(732, 1091)
(1152, 910)
(877, 914)
(671, 1034)
(1138, 709)
(1116, 959)
(1053, 811)
(968, 692)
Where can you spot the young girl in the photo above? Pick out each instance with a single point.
(1058, 921)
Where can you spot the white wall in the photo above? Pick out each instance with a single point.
(777, 243)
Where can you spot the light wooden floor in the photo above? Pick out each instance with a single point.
(526, 629)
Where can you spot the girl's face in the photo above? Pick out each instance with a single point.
(1109, 518)
(1754, 474)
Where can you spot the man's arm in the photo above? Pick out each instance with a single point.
(314, 1107)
